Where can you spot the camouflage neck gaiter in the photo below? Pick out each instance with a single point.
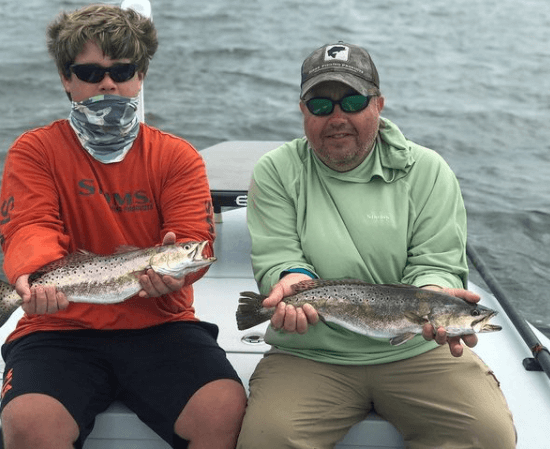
(106, 126)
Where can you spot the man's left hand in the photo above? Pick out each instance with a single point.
(439, 335)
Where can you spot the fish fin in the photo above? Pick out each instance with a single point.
(328, 323)
(250, 311)
(45, 269)
(315, 283)
(310, 284)
(138, 273)
(78, 257)
(415, 318)
(8, 303)
(121, 249)
(81, 252)
(403, 338)
(406, 286)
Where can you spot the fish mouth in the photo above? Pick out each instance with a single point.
(197, 256)
(483, 324)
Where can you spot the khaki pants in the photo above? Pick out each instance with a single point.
(435, 401)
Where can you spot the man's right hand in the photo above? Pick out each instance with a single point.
(287, 317)
(39, 300)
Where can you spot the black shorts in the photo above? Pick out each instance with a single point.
(154, 371)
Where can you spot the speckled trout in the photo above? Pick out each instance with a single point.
(397, 312)
(92, 278)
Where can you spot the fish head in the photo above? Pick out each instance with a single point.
(180, 259)
(481, 323)
(464, 318)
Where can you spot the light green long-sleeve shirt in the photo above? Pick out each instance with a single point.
(397, 218)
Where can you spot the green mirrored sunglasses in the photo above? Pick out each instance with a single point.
(325, 106)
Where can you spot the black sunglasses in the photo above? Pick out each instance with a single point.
(325, 106)
(94, 73)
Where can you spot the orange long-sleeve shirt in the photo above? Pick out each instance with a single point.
(57, 199)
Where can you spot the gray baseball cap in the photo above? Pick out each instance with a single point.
(346, 63)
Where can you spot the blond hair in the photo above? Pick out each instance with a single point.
(120, 33)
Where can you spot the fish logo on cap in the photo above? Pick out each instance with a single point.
(338, 52)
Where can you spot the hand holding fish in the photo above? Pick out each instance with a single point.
(39, 300)
(286, 316)
(439, 335)
(153, 284)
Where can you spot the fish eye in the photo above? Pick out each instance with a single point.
(475, 312)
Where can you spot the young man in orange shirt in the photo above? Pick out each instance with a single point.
(97, 181)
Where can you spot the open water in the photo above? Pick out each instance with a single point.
(469, 79)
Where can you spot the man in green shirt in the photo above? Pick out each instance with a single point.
(355, 199)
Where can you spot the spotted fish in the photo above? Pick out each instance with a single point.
(92, 278)
(397, 312)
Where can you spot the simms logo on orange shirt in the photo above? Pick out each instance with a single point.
(120, 202)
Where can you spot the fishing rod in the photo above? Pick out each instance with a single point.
(541, 354)
(142, 7)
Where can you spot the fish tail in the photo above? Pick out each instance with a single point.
(251, 311)
(7, 304)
